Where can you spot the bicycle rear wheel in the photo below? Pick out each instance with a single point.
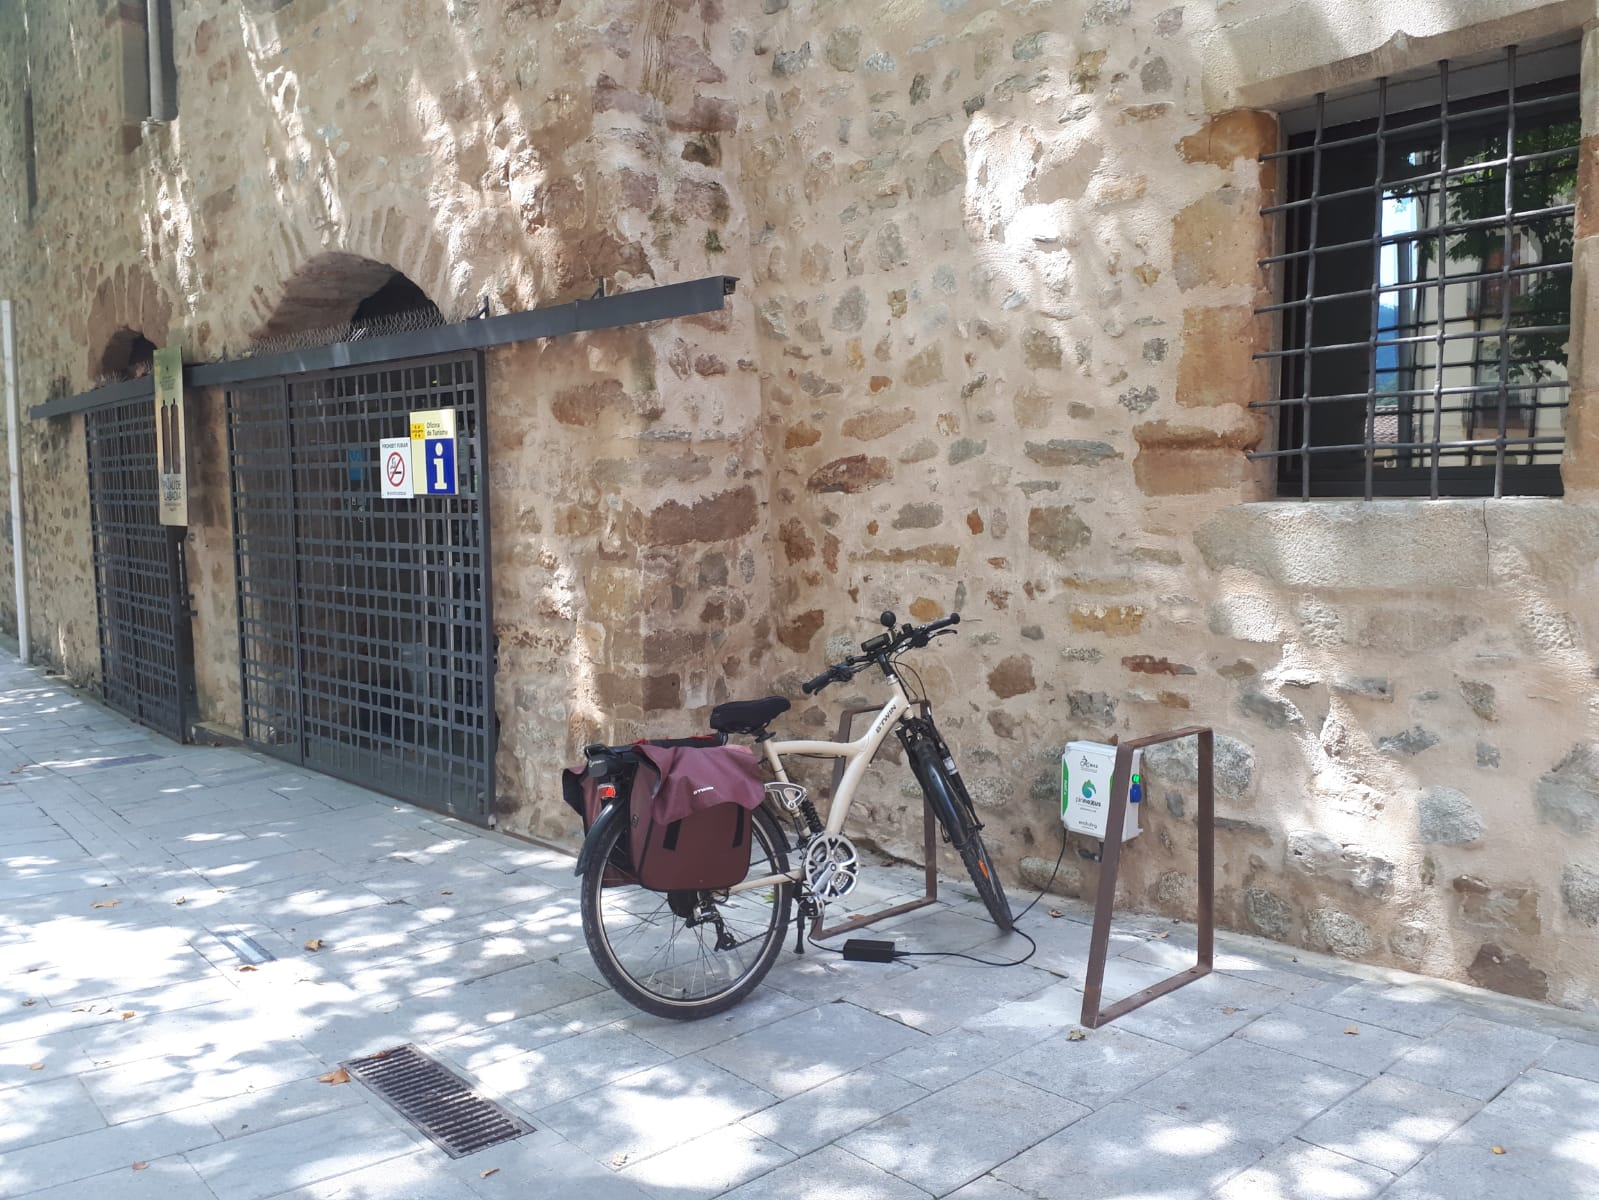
(660, 950)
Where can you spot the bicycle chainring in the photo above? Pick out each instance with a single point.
(831, 866)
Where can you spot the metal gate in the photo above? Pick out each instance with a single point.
(141, 592)
(366, 639)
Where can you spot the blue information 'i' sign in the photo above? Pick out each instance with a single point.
(440, 473)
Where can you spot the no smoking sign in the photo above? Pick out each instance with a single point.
(394, 456)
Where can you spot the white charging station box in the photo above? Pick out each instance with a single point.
(1085, 780)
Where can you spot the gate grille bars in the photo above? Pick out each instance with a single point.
(366, 640)
(1426, 298)
(140, 588)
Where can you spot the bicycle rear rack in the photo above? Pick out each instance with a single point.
(929, 853)
(1099, 946)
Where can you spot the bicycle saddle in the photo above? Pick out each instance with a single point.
(746, 716)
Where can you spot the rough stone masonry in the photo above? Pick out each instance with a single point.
(992, 351)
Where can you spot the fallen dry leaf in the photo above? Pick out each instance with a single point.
(618, 1160)
(1158, 936)
(1055, 912)
(36, 1067)
(247, 967)
(181, 900)
(1499, 1149)
(29, 1003)
(1229, 1010)
(139, 1166)
(490, 1171)
(105, 904)
(127, 1013)
(339, 1076)
(1353, 1031)
(1076, 1035)
(314, 944)
(446, 892)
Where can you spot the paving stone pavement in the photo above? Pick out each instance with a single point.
(137, 1058)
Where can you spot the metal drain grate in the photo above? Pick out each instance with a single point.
(437, 1101)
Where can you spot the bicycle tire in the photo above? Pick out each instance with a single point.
(658, 962)
(980, 867)
(954, 809)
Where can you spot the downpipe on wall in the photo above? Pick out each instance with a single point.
(8, 336)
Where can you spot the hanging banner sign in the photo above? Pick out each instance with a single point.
(394, 467)
(170, 451)
(433, 452)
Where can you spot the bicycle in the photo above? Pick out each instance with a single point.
(687, 955)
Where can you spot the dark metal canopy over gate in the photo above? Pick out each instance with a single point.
(365, 633)
(141, 593)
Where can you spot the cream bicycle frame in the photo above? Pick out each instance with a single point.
(857, 754)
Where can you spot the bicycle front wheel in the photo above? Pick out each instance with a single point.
(960, 822)
(687, 955)
(981, 868)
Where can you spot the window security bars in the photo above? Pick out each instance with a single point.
(1425, 257)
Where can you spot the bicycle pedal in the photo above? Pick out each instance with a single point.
(869, 950)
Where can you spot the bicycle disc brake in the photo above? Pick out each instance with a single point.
(831, 866)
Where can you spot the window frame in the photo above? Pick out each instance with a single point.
(1369, 122)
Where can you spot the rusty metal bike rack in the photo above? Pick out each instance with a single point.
(930, 853)
(1093, 1015)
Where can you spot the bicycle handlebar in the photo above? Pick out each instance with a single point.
(904, 638)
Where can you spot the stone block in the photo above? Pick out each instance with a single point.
(1505, 910)
(1568, 796)
(1447, 817)
(1218, 366)
(1177, 460)
(1579, 887)
(715, 518)
(1410, 741)
(1070, 452)
(1057, 531)
(869, 426)
(1480, 696)
(919, 516)
(1041, 873)
(1396, 546)
(1178, 763)
(1247, 618)
(1276, 712)
(1338, 933)
(1502, 970)
(851, 474)
(787, 63)
(1372, 687)
(1269, 914)
(1116, 620)
(1013, 677)
(1217, 240)
(1315, 854)
(1229, 136)
(798, 632)
(843, 50)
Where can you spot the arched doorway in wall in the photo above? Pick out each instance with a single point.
(140, 582)
(365, 632)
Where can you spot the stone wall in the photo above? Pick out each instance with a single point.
(991, 352)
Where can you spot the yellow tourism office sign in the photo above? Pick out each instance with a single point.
(170, 450)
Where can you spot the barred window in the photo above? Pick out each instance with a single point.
(1425, 232)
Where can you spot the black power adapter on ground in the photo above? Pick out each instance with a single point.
(869, 950)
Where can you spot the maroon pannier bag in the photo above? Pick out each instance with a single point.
(606, 778)
(690, 816)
